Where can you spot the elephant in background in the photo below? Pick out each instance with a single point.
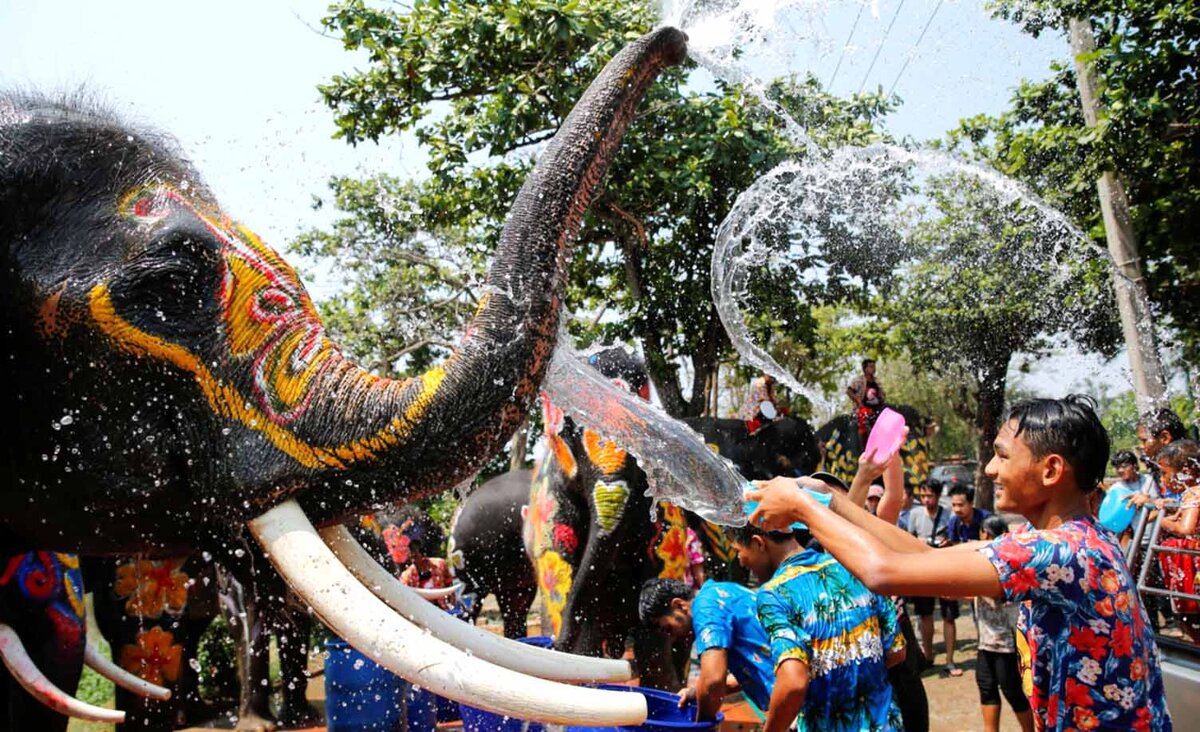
(840, 446)
(170, 387)
(153, 613)
(487, 553)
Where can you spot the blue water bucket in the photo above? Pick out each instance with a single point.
(477, 720)
(361, 695)
(663, 713)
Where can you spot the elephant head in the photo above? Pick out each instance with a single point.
(168, 382)
(783, 446)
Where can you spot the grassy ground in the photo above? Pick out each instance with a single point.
(94, 688)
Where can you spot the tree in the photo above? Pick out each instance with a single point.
(482, 84)
(989, 281)
(1148, 133)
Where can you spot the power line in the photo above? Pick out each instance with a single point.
(915, 45)
(862, 6)
(880, 48)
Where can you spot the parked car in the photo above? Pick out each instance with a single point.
(952, 473)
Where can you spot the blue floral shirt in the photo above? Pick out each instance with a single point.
(1088, 656)
(814, 610)
(724, 616)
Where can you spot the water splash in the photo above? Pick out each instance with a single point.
(679, 467)
(862, 192)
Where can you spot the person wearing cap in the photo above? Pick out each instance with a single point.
(874, 493)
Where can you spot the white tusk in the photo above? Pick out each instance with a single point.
(22, 668)
(367, 624)
(439, 593)
(547, 664)
(121, 677)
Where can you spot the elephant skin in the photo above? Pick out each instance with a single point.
(840, 445)
(784, 446)
(168, 380)
(486, 550)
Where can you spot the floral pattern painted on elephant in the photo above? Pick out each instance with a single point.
(671, 548)
(152, 587)
(554, 580)
(51, 580)
(155, 657)
(272, 330)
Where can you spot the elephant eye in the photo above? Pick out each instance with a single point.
(170, 290)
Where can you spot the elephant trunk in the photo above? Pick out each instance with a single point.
(433, 431)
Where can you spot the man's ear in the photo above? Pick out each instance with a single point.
(759, 543)
(676, 603)
(1054, 469)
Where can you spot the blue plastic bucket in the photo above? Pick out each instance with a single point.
(663, 713)
(477, 720)
(361, 695)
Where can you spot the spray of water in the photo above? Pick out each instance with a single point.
(679, 467)
(861, 191)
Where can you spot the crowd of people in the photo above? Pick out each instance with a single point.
(825, 641)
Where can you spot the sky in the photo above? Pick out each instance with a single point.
(235, 83)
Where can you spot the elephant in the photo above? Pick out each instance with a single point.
(154, 611)
(486, 551)
(783, 446)
(170, 388)
(840, 446)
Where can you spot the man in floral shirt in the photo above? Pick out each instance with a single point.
(1089, 660)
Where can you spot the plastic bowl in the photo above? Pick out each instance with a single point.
(886, 436)
(1115, 514)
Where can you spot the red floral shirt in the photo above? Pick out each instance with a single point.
(1088, 655)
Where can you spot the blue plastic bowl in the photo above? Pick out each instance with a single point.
(360, 695)
(663, 713)
(477, 720)
(1115, 514)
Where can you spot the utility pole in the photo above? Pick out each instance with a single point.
(1137, 324)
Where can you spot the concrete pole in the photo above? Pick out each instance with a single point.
(1137, 323)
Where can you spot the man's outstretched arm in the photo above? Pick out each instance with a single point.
(878, 554)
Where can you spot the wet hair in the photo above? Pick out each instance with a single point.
(994, 525)
(1124, 457)
(965, 491)
(742, 534)
(1067, 427)
(1163, 420)
(1180, 455)
(867, 362)
(654, 602)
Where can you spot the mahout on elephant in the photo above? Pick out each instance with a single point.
(486, 550)
(782, 446)
(170, 388)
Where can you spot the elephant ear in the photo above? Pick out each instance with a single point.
(171, 289)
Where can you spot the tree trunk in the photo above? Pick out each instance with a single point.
(989, 410)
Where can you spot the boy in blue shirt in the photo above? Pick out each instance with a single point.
(721, 616)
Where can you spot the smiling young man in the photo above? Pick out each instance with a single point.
(1087, 653)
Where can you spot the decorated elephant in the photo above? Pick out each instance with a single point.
(169, 387)
(486, 550)
(154, 611)
(841, 446)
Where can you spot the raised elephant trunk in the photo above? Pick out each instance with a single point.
(174, 382)
(446, 423)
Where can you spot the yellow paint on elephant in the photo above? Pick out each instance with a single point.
(554, 580)
(226, 401)
(718, 542)
(605, 455)
(672, 550)
(74, 591)
(609, 500)
(155, 657)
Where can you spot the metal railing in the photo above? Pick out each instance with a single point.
(1153, 548)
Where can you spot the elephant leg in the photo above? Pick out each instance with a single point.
(291, 626)
(248, 627)
(514, 608)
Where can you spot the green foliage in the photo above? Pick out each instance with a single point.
(481, 84)
(217, 657)
(1148, 132)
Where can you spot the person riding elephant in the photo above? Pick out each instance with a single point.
(169, 387)
(840, 445)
